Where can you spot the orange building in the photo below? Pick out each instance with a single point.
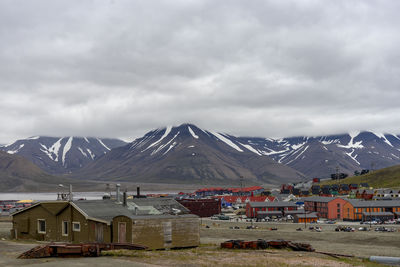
(305, 218)
(359, 210)
(326, 207)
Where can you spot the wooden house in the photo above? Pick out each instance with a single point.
(107, 221)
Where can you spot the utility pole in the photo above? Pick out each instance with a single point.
(241, 185)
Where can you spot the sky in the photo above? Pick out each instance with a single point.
(121, 68)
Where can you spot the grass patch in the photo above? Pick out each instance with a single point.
(383, 178)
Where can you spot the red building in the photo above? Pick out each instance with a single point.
(252, 208)
(202, 207)
(325, 207)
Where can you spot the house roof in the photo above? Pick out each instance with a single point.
(374, 204)
(319, 199)
(272, 204)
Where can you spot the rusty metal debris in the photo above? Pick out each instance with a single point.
(263, 244)
(67, 250)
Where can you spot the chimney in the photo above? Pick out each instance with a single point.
(138, 191)
(118, 192)
(70, 198)
(124, 200)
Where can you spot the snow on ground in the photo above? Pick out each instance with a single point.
(166, 133)
(382, 136)
(162, 146)
(86, 139)
(170, 147)
(351, 144)
(15, 151)
(251, 149)
(297, 146)
(350, 154)
(90, 153)
(55, 148)
(83, 153)
(67, 147)
(192, 133)
(101, 142)
(226, 141)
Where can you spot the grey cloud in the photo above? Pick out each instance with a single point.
(266, 68)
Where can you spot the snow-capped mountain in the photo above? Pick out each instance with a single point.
(320, 156)
(59, 155)
(191, 155)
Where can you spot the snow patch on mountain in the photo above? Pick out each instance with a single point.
(250, 148)
(226, 141)
(351, 144)
(101, 142)
(162, 146)
(92, 155)
(83, 153)
(297, 146)
(15, 151)
(166, 133)
(192, 133)
(350, 154)
(382, 136)
(67, 147)
(55, 148)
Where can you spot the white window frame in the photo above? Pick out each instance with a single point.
(63, 228)
(38, 226)
(76, 223)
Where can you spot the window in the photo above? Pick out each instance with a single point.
(65, 228)
(76, 226)
(41, 226)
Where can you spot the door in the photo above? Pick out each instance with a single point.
(121, 232)
(99, 233)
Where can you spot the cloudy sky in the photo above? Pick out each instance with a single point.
(262, 68)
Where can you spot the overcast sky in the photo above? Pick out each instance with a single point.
(256, 68)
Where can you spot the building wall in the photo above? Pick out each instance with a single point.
(202, 207)
(25, 224)
(302, 220)
(128, 222)
(55, 214)
(335, 209)
(166, 233)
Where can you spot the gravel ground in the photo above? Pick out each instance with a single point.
(358, 243)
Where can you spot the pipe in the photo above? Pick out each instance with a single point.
(70, 198)
(385, 260)
(124, 200)
(118, 192)
(138, 191)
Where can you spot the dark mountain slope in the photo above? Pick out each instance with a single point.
(188, 154)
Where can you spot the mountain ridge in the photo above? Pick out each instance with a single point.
(187, 153)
